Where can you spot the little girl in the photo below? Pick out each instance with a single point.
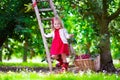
(59, 48)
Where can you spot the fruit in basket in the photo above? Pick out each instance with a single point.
(77, 57)
(83, 56)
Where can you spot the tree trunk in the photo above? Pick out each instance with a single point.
(105, 52)
(0, 54)
(32, 53)
(10, 54)
(25, 51)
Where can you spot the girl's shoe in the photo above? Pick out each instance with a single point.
(59, 64)
(64, 67)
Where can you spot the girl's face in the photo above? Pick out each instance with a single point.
(57, 24)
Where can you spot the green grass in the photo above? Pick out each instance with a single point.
(117, 65)
(24, 64)
(64, 76)
(23, 75)
(32, 64)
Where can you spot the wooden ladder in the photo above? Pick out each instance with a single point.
(40, 19)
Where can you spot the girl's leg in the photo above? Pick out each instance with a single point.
(64, 57)
(54, 57)
(59, 59)
(65, 63)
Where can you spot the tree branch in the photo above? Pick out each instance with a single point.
(105, 7)
(97, 17)
(114, 15)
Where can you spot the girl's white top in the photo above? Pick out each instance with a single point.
(63, 35)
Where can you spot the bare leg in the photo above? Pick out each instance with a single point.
(64, 57)
(54, 56)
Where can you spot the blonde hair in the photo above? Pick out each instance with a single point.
(52, 22)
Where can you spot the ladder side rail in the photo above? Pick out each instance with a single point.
(42, 33)
(53, 8)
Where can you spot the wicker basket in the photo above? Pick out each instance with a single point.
(85, 64)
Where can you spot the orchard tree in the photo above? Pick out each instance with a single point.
(14, 20)
(18, 26)
(103, 12)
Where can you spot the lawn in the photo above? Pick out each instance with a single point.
(33, 75)
(64, 76)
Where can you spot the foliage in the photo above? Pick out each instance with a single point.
(82, 13)
(18, 22)
(18, 26)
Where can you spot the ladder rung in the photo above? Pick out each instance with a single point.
(42, 0)
(47, 28)
(46, 9)
(46, 18)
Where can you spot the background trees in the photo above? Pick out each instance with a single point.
(95, 24)
(18, 28)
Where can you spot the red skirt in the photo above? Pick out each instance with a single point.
(57, 46)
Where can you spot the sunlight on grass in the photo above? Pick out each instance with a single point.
(36, 59)
(116, 63)
(65, 76)
(24, 64)
(24, 75)
(34, 62)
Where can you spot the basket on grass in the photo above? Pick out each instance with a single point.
(85, 63)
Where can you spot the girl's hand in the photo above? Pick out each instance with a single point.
(71, 35)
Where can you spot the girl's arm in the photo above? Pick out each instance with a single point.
(68, 36)
(49, 35)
